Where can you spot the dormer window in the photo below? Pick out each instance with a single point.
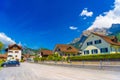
(114, 39)
(69, 48)
(57, 49)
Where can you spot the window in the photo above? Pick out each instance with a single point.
(10, 56)
(112, 49)
(89, 43)
(97, 41)
(10, 51)
(73, 54)
(65, 54)
(79, 53)
(16, 51)
(94, 51)
(86, 52)
(68, 54)
(104, 50)
(119, 50)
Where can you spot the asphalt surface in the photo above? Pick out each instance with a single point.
(31, 71)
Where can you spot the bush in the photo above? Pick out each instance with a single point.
(49, 58)
(1, 61)
(43, 59)
(36, 59)
(57, 58)
(95, 57)
(22, 60)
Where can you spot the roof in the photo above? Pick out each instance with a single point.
(3, 55)
(26, 55)
(66, 48)
(46, 52)
(111, 40)
(12, 45)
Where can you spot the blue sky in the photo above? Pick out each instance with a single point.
(44, 23)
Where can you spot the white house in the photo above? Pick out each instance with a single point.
(14, 52)
(100, 44)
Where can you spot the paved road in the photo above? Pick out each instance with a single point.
(30, 71)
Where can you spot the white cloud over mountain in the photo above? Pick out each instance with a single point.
(86, 13)
(73, 28)
(5, 39)
(109, 18)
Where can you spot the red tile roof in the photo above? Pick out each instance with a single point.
(3, 56)
(110, 40)
(66, 48)
(26, 55)
(46, 52)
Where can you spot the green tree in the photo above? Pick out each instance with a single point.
(1, 46)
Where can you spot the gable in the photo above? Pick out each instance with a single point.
(15, 47)
(92, 38)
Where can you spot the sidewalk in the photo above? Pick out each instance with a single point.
(112, 66)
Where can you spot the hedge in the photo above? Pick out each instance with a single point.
(1, 61)
(96, 57)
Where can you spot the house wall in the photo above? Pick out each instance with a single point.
(13, 54)
(92, 38)
(115, 49)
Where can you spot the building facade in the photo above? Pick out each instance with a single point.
(100, 44)
(14, 52)
(65, 50)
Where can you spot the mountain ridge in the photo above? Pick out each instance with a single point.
(114, 30)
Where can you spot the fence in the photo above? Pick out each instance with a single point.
(106, 64)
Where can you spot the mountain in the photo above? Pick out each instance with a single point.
(27, 50)
(114, 30)
(77, 42)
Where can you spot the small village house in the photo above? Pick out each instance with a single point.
(3, 56)
(65, 50)
(25, 56)
(14, 52)
(100, 44)
(45, 53)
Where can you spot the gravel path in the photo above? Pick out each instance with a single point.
(29, 71)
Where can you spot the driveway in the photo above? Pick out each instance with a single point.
(30, 71)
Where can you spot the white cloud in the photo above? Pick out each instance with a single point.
(73, 28)
(86, 13)
(5, 39)
(109, 18)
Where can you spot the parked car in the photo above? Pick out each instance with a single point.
(10, 63)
